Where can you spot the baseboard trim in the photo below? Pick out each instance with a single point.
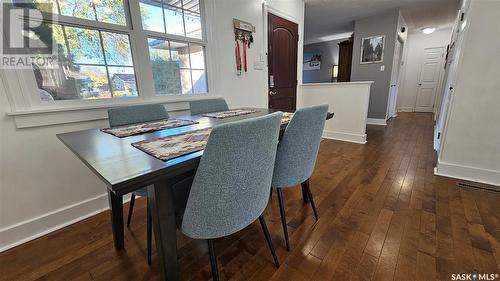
(341, 136)
(376, 121)
(20, 233)
(405, 109)
(474, 174)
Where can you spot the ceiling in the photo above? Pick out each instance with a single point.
(325, 18)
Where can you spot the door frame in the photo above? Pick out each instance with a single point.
(398, 80)
(266, 10)
(439, 83)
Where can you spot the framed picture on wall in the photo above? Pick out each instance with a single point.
(312, 60)
(372, 49)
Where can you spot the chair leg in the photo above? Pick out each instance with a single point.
(269, 241)
(309, 195)
(130, 209)
(283, 217)
(213, 260)
(304, 192)
(149, 233)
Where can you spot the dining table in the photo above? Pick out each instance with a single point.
(124, 169)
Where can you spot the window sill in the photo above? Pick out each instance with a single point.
(28, 118)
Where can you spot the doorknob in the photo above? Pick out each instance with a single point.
(419, 84)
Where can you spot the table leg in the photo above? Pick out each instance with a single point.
(161, 202)
(116, 206)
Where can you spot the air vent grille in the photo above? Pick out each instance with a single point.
(478, 185)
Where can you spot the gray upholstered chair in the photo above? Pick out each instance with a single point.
(207, 106)
(231, 187)
(296, 156)
(126, 115)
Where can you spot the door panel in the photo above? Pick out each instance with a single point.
(430, 77)
(282, 57)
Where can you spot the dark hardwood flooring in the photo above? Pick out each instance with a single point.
(383, 216)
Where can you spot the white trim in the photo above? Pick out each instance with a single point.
(336, 83)
(376, 121)
(47, 117)
(474, 174)
(19, 233)
(341, 136)
(405, 109)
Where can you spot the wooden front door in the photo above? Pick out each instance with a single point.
(282, 57)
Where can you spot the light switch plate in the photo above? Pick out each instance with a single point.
(259, 65)
(382, 68)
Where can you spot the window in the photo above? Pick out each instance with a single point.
(98, 49)
(178, 65)
(176, 17)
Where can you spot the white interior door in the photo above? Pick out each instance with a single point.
(395, 78)
(430, 76)
(450, 77)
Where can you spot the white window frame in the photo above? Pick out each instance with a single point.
(22, 89)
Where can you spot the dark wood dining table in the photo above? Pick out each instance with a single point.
(124, 168)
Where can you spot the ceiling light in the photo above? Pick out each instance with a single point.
(428, 30)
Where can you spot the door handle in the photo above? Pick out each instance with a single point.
(419, 84)
(272, 93)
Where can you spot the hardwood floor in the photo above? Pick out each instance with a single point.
(383, 216)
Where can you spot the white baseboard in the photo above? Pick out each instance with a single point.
(33, 228)
(474, 174)
(356, 138)
(376, 121)
(405, 109)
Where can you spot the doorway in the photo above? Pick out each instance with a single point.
(395, 79)
(429, 79)
(283, 37)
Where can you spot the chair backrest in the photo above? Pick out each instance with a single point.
(125, 115)
(231, 186)
(207, 106)
(299, 145)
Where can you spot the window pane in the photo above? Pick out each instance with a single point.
(123, 82)
(110, 11)
(152, 16)
(90, 82)
(197, 56)
(117, 49)
(180, 53)
(173, 20)
(199, 81)
(82, 73)
(192, 5)
(177, 3)
(193, 24)
(166, 72)
(85, 45)
(186, 81)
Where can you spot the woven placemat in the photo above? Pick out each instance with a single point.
(140, 128)
(171, 147)
(229, 113)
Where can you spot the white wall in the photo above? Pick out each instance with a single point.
(43, 186)
(470, 147)
(349, 102)
(416, 43)
(249, 89)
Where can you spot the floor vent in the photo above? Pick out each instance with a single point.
(478, 185)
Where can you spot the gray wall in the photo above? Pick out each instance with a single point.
(329, 56)
(382, 24)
